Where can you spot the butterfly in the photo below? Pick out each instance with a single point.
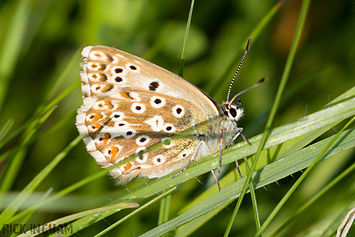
(130, 104)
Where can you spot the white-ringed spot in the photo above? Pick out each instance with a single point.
(117, 116)
(138, 108)
(116, 70)
(133, 67)
(178, 111)
(93, 66)
(153, 86)
(157, 102)
(142, 158)
(121, 125)
(168, 127)
(129, 133)
(184, 154)
(118, 79)
(159, 159)
(142, 140)
(97, 55)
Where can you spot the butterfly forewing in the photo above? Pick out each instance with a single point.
(130, 105)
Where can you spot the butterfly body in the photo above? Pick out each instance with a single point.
(130, 104)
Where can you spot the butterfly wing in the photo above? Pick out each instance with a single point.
(131, 104)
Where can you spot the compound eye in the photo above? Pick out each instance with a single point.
(232, 112)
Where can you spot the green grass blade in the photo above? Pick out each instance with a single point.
(314, 199)
(165, 194)
(215, 87)
(5, 129)
(11, 209)
(10, 48)
(300, 179)
(269, 174)
(187, 31)
(70, 218)
(282, 85)
(278, 136)
(20, 227)
(13, 166)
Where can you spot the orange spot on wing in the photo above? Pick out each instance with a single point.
(114, 151)
(106, 137)
(97, 117)
(126, 95)
(96, 126)
(107, 88)
(127, 167)
(108, 104)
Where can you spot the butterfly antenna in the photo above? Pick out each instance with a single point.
(243, 91)
(240, 64)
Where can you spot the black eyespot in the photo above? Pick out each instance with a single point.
(143, 139)
(109, 151)
(129, 133)
(157, 101)
(169, 128)
(121, 124)
(233, 112)
(92, 116)
(159, 160)
(117, 116)
(101, 138)
(153, 85)
(118, 70)
(184, 155)
(133, 67)
(118, 79)
(141, 157)
(138, 107)
(98, 87)
(178, 110)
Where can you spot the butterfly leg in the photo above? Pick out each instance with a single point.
(238, 169)
(231, 142)
(192, 158)
(220, 151)
(215, 177)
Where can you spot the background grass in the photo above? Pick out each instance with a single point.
(40, 43)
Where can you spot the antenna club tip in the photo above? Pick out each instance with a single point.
(264, 79)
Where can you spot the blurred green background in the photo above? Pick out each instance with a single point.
(36, 50)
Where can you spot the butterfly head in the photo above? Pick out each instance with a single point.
(233, 111)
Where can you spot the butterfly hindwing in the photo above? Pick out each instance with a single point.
(130, 105)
